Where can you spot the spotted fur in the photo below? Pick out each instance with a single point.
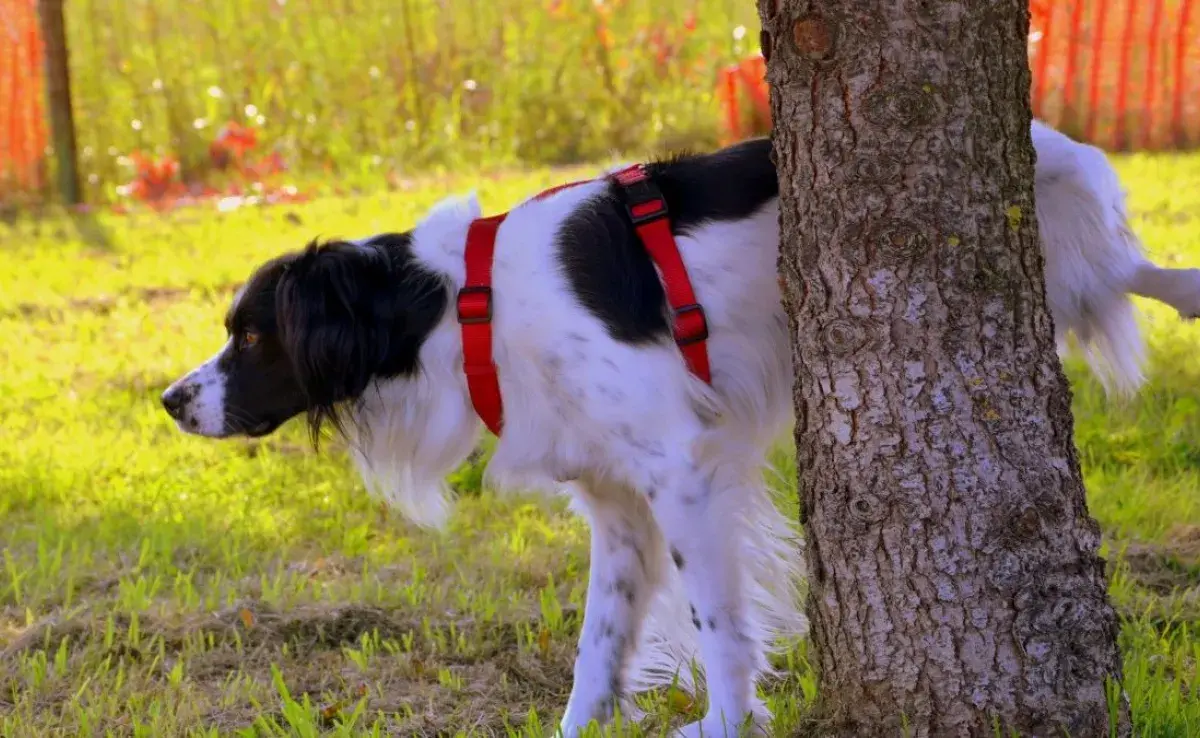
(692, 562)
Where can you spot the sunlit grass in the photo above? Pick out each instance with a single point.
(378, 88)
(157, 584)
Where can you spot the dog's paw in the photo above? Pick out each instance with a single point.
(575, 727)
(714, 727)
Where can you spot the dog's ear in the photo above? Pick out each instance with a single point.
(329, 327)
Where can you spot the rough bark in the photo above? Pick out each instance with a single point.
(58, 98)
(955, 581)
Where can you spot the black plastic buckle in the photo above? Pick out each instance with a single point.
(700, 335)
(466, 317)
(639, 190)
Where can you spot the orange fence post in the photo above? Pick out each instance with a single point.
(1046, 14)
(22, 132)
(1094, 77)
(1177, 133)
(1073, 39)
(1152, 81)
(1119, 138)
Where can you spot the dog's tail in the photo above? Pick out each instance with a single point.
(1093, 258)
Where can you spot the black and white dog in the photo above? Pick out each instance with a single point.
(690, 558)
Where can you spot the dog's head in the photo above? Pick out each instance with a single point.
(309, 332)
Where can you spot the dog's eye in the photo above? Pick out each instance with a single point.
(249, 338)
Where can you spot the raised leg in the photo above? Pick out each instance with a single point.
(1179, 288)
(626, 560)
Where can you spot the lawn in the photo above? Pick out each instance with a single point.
(157, 584)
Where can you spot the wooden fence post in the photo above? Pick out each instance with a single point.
(58, 100)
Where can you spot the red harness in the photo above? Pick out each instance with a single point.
(648, 210)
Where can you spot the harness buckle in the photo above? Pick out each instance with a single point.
(473, 310)
(687, 331)
(644, 201)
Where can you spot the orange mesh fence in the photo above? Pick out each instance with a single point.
(1122, 74)
(22, 119)
(1119, 73)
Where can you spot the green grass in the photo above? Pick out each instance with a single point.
(377, 88)
(157, 584)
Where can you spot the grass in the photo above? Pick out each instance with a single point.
(153, 584)
(375, 88)
(379, 88)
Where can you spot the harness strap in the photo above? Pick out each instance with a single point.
(648, 210)
(475, 317)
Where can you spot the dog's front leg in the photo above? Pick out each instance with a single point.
(626, 560)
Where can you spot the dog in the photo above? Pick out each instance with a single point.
(691, 562)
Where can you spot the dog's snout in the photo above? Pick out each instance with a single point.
(176, 398)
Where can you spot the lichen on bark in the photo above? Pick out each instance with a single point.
(956, 584)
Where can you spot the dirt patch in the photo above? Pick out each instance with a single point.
(434, 687)
(255, 625)
(1169, 565)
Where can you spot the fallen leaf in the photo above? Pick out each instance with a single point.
(331, 711)
(680, 702)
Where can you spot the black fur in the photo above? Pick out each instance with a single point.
(604, 261)
(335, 317)
(729, 184)
(332, 319)
(261, 391)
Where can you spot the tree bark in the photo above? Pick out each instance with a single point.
(58, 98)
(955, 583)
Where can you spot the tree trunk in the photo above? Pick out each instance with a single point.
(955, 584)
(58, 99)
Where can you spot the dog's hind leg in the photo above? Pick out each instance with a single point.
(1179, 288)
(697, 513)
(626, 564)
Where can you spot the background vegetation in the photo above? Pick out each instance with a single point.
(372, 88)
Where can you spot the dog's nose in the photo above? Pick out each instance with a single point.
(174, 400)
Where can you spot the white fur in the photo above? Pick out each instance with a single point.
(1094, 260)
(625, 422)
(663, 463)
(206, 409)
(666, 467)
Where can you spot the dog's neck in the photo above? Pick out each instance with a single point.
(418, 429)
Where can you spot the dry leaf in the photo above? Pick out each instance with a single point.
(544, 642)
(680, 702)
(331, 711)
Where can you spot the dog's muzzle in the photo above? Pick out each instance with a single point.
(176, 399)
(196, 403)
